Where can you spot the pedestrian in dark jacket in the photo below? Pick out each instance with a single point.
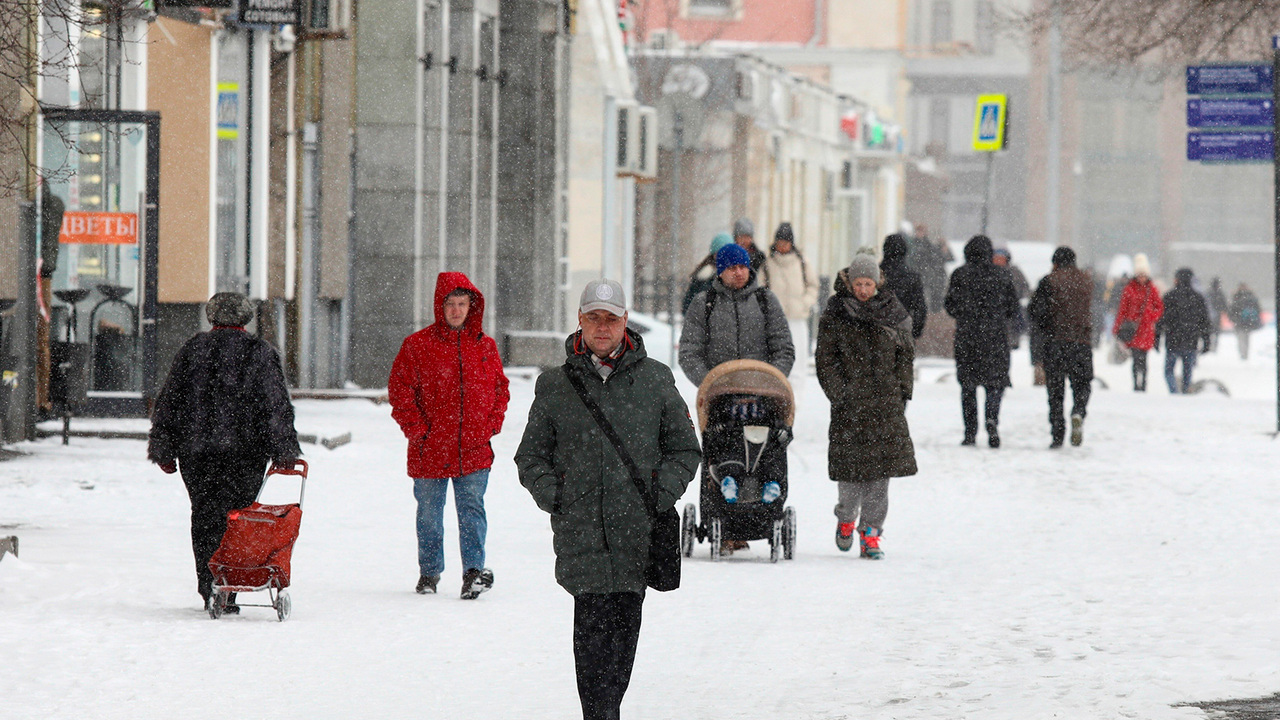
(223, 413)
(903, 282)
(1218, 307)
(702, 276)
(982, 299)
(1062, 309)
(1246, 316)
(736, 319)
(1185, 328)
(600, 520)
(744, 234)
(1018, 325)
(864, 362)
(449, 395)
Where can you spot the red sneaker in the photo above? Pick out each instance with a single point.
(844, 536)
(869, 538)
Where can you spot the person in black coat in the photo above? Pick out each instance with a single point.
(903, 282)
(982, 299)
(223, 413)
(1185, 324)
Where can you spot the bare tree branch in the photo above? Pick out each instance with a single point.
(1170, 33)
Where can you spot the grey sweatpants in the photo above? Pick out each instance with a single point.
(868, 498)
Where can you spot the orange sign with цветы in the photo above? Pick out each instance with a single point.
(99, 228)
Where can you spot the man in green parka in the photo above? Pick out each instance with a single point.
(600, 521)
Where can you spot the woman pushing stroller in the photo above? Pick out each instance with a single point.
(864, 363)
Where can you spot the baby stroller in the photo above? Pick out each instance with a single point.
(745, 412)
(256, 549)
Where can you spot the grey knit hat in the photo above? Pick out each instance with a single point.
(744, 227)
(229, 309)
(863, 266)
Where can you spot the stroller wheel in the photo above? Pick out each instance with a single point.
(715, 535)
(688, 526)
(283, 605)
(789, 534)
(776, 541)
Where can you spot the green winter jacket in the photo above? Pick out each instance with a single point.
(864, 363)
(600, 522)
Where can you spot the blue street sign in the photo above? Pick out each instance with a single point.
(1226, 146)
(1230, 112)
(1228, 79)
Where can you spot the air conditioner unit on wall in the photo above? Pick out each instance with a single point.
(664, 39)
(628, 121)
(327, 19)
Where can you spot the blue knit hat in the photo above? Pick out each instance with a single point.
(730, 255)
(719, 241)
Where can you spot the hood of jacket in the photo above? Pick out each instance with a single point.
(1182, 278)
(979, 250)
(881, 309)
(753, 284)
(895, 249)
(577, 352)
(447, 282)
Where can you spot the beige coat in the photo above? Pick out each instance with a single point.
(792, 280)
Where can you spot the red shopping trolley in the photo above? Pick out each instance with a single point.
(256, 549)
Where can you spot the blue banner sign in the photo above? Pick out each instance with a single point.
(1228, 79)
(1228, 146)
(1230, 112)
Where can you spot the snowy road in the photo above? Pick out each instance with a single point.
(1113, 580)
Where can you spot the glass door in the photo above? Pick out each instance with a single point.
(101, 169)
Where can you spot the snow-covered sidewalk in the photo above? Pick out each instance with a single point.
(1112, 580)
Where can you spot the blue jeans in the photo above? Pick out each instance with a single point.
(468, 499)
(1188, 365)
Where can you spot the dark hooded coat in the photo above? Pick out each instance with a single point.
(982, 299)
(864, 363)
(1186, 317)
(599, 519)
(904, 283)
(225, 397)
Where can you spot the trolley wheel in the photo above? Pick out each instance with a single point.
(688, 523)
(776, 541)
(789, 534)
(217, 602)
(715, 535)
(283, 605)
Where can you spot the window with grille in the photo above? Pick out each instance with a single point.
(941, 22)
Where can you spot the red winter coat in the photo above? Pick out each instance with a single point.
(448, 391)
(1131, 304)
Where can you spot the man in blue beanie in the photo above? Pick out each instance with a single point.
(736, 319)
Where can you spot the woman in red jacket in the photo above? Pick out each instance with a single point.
(1135, 325)
(449, 395)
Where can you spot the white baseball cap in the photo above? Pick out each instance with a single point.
(603, 295)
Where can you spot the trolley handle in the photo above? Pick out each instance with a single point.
(292, 468)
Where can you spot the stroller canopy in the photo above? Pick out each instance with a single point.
(745, 377)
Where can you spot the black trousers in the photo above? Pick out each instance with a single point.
(1074, 361)
(969, 406)
(606, 629)
(216, 484)
(1139, 369)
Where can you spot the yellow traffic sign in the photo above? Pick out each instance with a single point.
(990, 120)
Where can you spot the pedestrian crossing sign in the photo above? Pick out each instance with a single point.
(990, 120)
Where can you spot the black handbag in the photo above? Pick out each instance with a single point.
(1127, 332)
(662, 573)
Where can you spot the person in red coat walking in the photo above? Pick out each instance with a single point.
(449, 394)
(1135, 325)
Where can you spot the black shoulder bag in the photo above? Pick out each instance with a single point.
(662, 573)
